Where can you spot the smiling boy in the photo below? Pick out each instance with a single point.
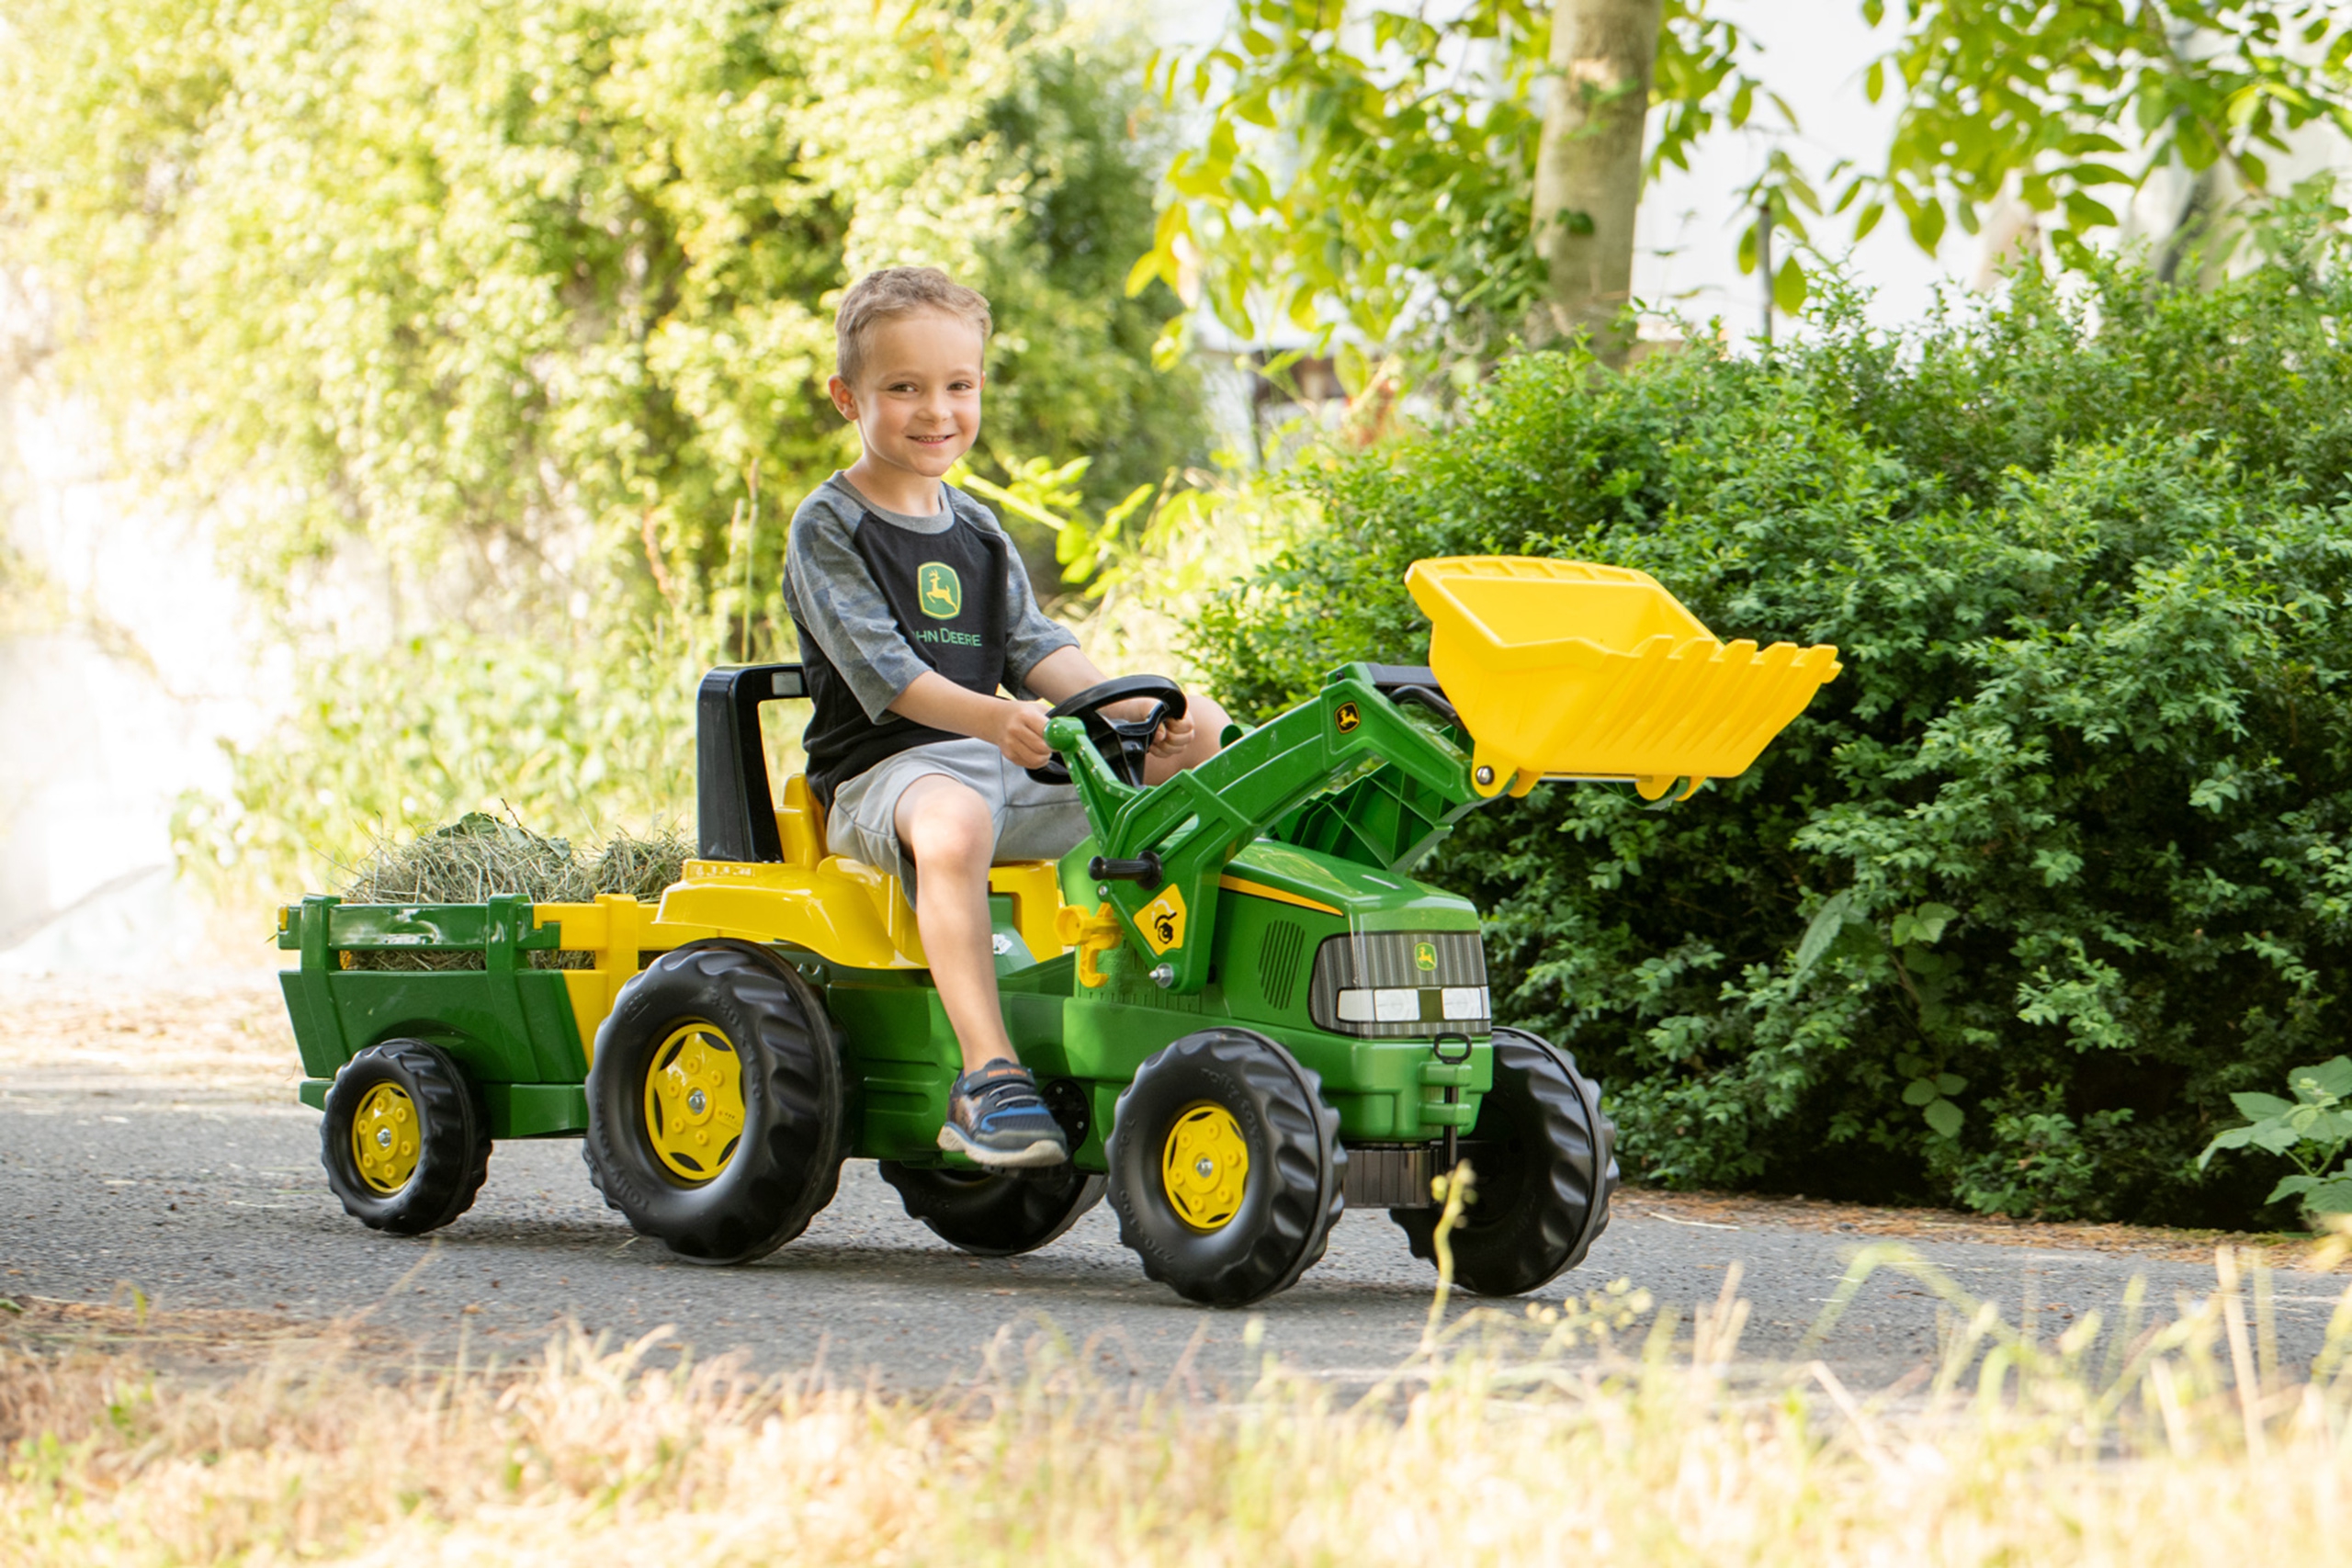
(915, 617)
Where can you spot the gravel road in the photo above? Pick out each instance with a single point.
(204, 1191)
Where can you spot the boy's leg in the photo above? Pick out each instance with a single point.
(949, 833)
(994, 1111)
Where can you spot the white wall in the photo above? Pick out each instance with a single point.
(115, 685)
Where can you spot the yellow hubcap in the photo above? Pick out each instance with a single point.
(385, 1138)
(693, 1103)
(1205, 1167)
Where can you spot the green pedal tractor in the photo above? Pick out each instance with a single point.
(1244, 1011)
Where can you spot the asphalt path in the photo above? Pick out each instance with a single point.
(214, 1200)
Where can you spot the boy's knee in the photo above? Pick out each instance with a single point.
(940, 820)
(1208, 728)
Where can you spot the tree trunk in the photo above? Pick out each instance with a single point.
(1588, 166)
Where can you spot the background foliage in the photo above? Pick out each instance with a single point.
(1376, 179)
(2063, 858)
(477, 322)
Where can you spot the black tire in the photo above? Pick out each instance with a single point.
(451, 1137)
(1544, 1163)
(784, 1165)
(1291, 1194)
(995, 1214)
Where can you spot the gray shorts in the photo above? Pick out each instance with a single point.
(1034, 821)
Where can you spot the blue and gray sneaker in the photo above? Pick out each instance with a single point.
(995, 1115)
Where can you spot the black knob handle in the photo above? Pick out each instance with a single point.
(1144, 870)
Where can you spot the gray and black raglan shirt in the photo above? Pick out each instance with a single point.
(879, 597)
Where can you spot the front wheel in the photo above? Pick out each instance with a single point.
(405, 1139)
(1226, 1168)
(1542, 1162)
(715, 1103)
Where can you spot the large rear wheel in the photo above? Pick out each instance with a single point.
(995, 1214)
(1544, 1163)
(1226, 1168)
(715, 1103)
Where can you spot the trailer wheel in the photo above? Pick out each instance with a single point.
(715, 1103)
(1226, 1168)
(995, 1214)
(405, 1138)
(1544, 1163)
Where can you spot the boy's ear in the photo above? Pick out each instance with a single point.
(844, 397)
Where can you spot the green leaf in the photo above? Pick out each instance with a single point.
(1828, 922)
(1789, 286)
(2257, 1107)
(2332, 1196)
(1919, 1091)
(1868, 221)
(1927, 226)
(1951, 1083)
(1945, 1119)
(2331, 1077)
(1874, 80)
(2292, 1186)
(1149, 266)
(2085, 211)
(2235, 1138)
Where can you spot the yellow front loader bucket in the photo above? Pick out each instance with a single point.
(1566, 670)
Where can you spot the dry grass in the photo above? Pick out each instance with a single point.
(1554, 1438)
(479, 857)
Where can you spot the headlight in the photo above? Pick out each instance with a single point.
(1401, 985)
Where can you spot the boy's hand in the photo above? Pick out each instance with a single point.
(1020, 734)
(1172, 736)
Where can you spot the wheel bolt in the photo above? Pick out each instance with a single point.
(1206, 1167)
(695, 1102)
(383, 1137)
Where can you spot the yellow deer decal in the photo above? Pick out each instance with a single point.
(940, 591)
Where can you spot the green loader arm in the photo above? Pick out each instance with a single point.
(1176, 837)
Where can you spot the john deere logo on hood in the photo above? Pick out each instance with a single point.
(1425, 955)
(939, 590)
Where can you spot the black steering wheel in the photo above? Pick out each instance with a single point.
(1123, 745)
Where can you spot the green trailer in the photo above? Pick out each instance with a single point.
(1245, 1011)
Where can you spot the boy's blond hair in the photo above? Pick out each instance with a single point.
(895, 291)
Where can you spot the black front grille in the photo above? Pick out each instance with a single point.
(1278, 962)
(1428, 962)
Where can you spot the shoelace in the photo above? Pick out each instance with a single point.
(986, 1097)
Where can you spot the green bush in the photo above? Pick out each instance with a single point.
(2059, 861)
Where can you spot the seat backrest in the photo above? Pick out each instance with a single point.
(800, 824)
(735, 812)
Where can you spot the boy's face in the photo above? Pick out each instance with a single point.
(917, 403)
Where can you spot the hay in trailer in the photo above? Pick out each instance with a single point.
(479, 857)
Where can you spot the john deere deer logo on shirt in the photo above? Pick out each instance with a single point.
(939, 590)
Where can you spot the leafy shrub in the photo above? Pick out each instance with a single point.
(2057, 863)
(2312, 1130)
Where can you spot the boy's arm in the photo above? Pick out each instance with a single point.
(1065, 673)
(1018, 728)
(1015, 728)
